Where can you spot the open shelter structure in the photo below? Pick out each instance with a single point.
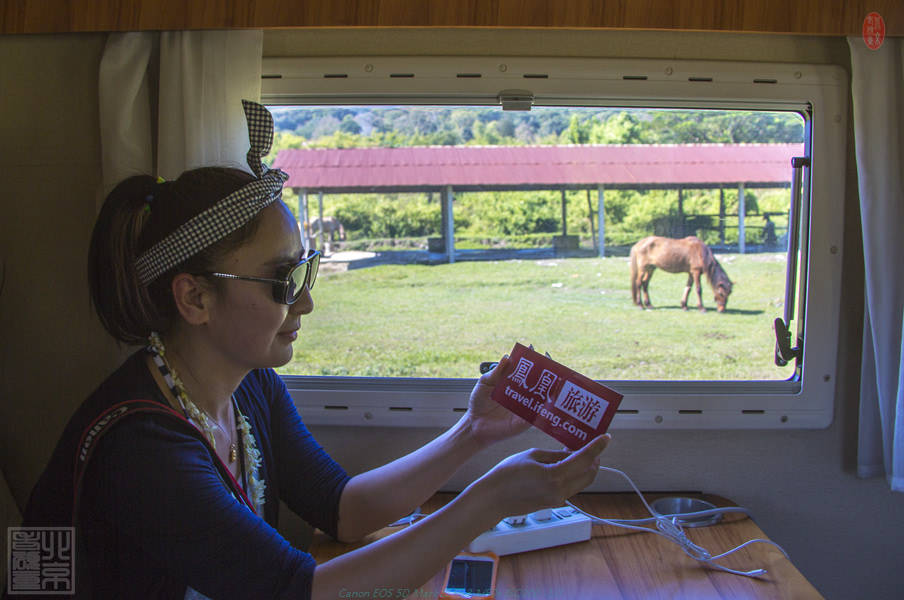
(451, 169)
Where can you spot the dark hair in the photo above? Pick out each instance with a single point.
(137, 214)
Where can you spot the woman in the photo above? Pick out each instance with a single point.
(182, 455)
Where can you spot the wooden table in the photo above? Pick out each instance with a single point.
(618, 563)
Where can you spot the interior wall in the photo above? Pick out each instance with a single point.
(52, 351)
(842, 532)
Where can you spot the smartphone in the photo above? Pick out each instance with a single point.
(471, 576)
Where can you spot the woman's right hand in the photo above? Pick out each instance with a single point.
(536, 479)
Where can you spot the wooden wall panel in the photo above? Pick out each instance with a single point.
(813, 17)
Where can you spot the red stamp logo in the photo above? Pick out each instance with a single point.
(570, 407)
(873, 30)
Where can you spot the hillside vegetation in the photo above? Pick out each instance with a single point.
(524, 219)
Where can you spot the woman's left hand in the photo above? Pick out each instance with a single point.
(491, 422)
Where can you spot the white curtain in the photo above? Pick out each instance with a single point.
(877, 87)
(125, 108)
(171, 101)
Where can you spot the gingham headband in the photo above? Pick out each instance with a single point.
(228, 214)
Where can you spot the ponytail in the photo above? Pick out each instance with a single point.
(123, 305)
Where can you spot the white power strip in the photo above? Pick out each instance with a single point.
(542, 529)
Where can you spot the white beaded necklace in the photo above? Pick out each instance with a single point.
(250, 455)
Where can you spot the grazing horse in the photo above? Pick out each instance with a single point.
(689, 255)
(331, 226)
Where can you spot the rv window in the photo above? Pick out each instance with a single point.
(453, 228)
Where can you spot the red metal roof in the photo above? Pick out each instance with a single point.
(514, 167)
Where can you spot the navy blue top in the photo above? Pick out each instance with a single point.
(155, 517)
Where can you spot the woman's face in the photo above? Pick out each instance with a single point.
(248, 325)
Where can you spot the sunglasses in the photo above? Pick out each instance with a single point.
(287, 289)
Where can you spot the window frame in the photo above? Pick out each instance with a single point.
(819, 92)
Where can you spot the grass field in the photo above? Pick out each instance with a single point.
(443, 320)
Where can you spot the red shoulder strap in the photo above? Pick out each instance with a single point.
(105, 421)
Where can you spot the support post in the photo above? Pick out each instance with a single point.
(722, 216)
(601, 219)
(564, 209)
(320, 237)
(449, 224)
(741, 210)
(681, 230)
(303, 222)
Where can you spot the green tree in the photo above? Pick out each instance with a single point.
(349, 125)
(578, 131)
(620, 128)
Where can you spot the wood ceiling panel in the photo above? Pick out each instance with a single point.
(810, 17)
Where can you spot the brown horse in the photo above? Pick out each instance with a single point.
(688, 255)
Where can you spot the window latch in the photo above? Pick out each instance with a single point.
(516, 99)
(784, 353)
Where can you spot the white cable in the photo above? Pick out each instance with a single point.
(409, 519)
(668, 527)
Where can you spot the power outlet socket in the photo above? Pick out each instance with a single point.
(542, 529)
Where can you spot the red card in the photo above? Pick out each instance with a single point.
(568, 406)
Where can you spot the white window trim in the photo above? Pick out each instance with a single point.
(804, 402)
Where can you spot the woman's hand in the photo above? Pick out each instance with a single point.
(488, 420)
(536, 479)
